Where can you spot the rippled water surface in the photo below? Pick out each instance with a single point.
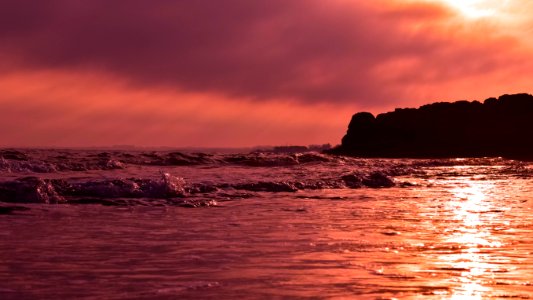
(93, 225)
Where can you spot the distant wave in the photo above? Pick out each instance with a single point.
(47, 161)
(50, 161)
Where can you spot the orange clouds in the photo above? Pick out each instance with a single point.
(236, 72)
(69, 109)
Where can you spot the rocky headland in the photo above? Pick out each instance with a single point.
(497, 127)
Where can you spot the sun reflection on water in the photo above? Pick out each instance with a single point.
(470, 234)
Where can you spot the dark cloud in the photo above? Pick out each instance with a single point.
(309, 50)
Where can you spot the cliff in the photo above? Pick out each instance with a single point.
(496, 127)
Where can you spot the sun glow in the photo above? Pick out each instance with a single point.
(477, 8)
(471, 234)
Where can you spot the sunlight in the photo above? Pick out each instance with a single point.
(470, 205)
(471, 291)
(470, 200)
(477, 8)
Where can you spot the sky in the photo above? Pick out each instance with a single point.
(237, 73)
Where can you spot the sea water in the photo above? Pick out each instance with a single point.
(90, 224)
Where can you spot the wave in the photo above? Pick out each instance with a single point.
(49, 161)
(167, 187)
(127, 177)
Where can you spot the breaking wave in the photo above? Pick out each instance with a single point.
(140, 178)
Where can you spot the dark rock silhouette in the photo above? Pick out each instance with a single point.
(373, 180)
(29, 190)
(13, 154)
(498, 127)
(7, 210)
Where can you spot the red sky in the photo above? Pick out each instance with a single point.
(241, 73)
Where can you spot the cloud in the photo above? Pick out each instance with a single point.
(241, 72)
(76, 109)
(311, 51)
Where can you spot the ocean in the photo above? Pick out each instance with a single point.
(140, 224)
